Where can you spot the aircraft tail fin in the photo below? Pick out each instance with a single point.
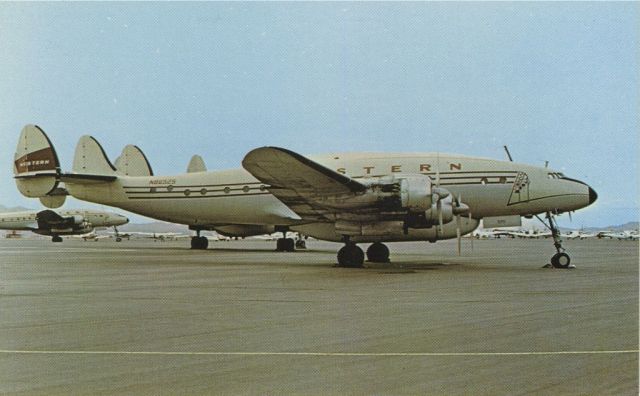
(36, 166)
(133, 162)
(196, 165)
(90, 158)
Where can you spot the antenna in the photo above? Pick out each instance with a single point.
(508, 153)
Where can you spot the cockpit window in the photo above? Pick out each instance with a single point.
(555, 175)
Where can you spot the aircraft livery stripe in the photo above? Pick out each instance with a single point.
(201, 196)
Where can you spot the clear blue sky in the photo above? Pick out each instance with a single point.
(554, 81)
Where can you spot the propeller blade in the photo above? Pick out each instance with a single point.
(458, 235)
(440, 221)
(471, 234)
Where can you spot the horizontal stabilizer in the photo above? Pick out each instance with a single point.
(196, 165)
(91, 159)
(35, 163)
(133, 162)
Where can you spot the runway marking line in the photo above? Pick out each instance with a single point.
(374, 354)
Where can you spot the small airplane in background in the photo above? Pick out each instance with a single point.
(579, 235)
(343, 197)
(91, 236)
(64, 222)
(620, 235)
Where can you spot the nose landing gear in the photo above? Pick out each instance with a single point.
(561, 259)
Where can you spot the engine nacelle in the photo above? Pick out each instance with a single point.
(78, 219)
(416, 194)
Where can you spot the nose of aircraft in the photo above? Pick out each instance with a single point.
(592, 195)
(123, 219)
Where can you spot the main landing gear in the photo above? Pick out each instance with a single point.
(561, 259)
(199, 242)
(285, 244)
(378, 253)
(56, 238)
(351, 256)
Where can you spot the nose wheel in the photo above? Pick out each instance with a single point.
(561, 259)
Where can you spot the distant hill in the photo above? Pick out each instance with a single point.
(14, 209)
(632, 225)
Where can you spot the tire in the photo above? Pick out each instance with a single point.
(560, 260)
(204, 243)
(56, 239)
(350, 256)
(378, 253)
(289, 245)
(118, 239)
(194, 242)
(280, 245)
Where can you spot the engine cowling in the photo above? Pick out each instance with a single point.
(416, 193)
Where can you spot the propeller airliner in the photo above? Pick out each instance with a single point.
(344, 197)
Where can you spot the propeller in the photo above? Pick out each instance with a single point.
(459, 208)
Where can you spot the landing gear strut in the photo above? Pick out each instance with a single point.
(378, 253)
(118, 238)
(350, 255)
(561, 259)
(199, 242)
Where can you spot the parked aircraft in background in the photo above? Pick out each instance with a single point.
(64, 222)
(621, 235)
(579, 235)
(350, 197)
(91, 236)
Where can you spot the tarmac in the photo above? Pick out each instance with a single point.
(144, 317)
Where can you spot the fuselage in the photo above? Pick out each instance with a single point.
(211, 199)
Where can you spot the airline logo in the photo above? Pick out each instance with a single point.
(39, 160)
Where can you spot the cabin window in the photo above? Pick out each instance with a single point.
(227, 190)
(169, 188)
(503, 179)
(203, 191)
(152, 189)
(484, 180)
(187, 192)
(245, 189)
(263, 187)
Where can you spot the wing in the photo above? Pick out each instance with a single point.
(48, 218)
(297, 181)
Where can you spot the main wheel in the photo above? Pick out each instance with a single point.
(118, 239)
(289, 245)
(378, 253)
(561, 260)
(350, 256)
(204, 243)
(56, 238)
(280, 245)
(194, 242)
